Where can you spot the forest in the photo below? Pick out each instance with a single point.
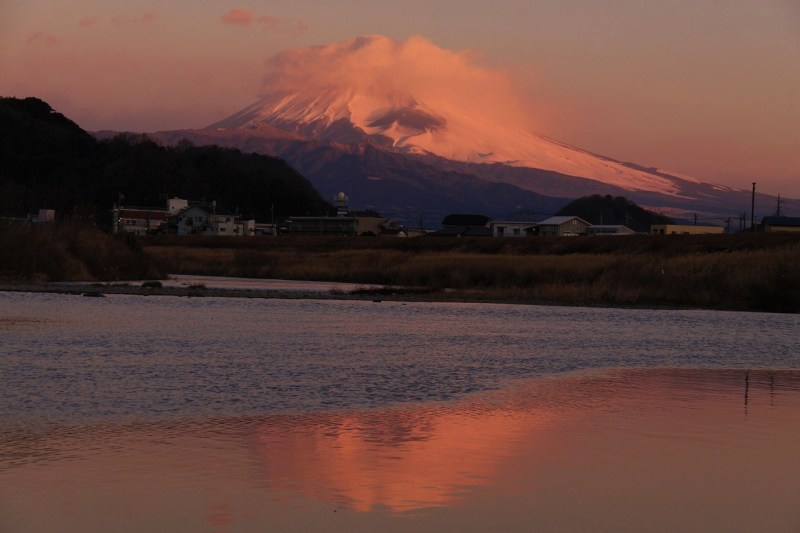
(50, 162)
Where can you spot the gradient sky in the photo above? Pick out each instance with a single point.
(709, 88)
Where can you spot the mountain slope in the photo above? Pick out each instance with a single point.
(405, 125)
(393, 184)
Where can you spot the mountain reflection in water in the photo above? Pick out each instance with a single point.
(615, 449)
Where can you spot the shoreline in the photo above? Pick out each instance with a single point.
(101, 289)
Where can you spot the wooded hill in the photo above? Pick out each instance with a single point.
(597, 209)
(50, 162)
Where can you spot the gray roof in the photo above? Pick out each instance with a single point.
(557, 221)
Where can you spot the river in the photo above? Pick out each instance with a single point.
(226, 414)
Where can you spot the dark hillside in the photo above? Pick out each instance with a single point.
(43, 156)
(50, 162)
(598, 209)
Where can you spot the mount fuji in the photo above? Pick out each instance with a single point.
(405, 125)
(349, 122)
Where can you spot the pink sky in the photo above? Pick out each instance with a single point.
(706, 88)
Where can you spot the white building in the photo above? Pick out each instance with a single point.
(201, 220)
(138, 220)
(562, 226)
(505, 228)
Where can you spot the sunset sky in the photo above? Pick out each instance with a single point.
(709, 88)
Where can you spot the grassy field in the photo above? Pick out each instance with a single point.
(70, 252)
(742, 272)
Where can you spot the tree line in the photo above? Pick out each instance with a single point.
(50, 162)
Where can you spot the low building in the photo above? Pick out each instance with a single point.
(506, 228)
(45, 215)
(138, 220)
(377, 226)
(415, 232)
(679, 229)
(264, 229)
(562, 226)
(775, 223)
(203, 220)
(191, 220)
(609, 229)
(341, 226)
(180, 218)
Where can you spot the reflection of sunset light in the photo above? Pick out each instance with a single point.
(388, 463)
(620, 450)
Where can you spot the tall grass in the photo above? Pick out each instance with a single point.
(70, 252)
(751, 272)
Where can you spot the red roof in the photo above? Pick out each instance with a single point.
(152, 214)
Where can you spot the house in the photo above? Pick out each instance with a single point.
(264, 229)
(343, 224)
(179, 218)
(562, 226)
(45, 215)
(504, 228)
(775, 223)
(144, 220)
(204, 220)
(138, 220)
(609, 229)
(679, 229)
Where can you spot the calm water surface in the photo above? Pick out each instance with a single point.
(206, 414)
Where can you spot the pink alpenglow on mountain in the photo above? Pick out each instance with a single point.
(416, 98)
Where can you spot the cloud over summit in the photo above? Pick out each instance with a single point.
(411, 69)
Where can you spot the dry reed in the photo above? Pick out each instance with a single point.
(750, 272)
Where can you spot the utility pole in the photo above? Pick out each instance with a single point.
(695, 219)
(778, 210)
(753, 209)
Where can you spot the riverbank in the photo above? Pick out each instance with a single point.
(227, 287)
(744, 272)
(365, 293)
(747, 272)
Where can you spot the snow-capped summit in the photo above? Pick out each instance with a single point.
(405, 123)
